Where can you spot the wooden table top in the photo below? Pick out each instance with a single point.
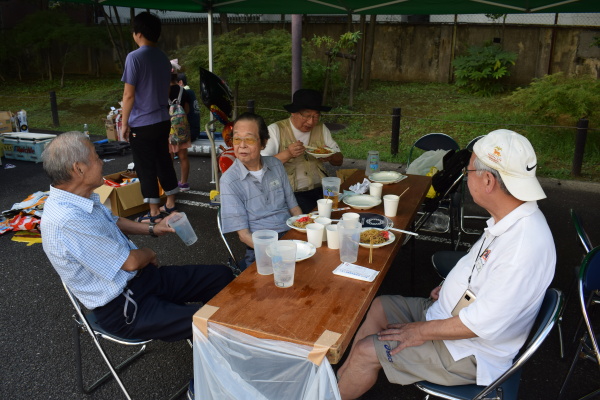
(318, 301)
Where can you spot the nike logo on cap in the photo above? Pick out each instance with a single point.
(530, 168)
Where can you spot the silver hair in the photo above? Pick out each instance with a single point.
(480, 167)
(63, 151)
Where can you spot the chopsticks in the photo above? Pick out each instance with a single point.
(371, 252)
(400, 230)
(405, 190)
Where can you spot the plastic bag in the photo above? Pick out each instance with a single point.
(422, 165)
(230, 365)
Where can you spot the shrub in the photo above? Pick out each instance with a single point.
(481, 70)
(557, 95)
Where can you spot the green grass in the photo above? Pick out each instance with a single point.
(425, 108)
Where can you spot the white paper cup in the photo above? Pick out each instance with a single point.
(324, 221)
(350, 216)
(314, 232)
(390, 205)
(324, 207)
(333, 237)
(183, 228)
(262, 239)
(375, 189)
(283, 257)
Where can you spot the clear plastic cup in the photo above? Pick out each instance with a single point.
(262, 239)
(349, 234)
(324, 206)
(331, 189)
(314, 234)
(183, 228)
(283, 257)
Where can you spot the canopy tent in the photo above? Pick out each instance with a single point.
(368, 7)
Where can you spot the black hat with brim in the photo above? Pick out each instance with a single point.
(306, 99)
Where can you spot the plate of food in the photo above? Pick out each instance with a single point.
(386, 177)
(380, 237)
(299, 222)
(362, 201)
(319, 152)
(304, 249)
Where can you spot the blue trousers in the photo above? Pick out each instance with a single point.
(155, 304)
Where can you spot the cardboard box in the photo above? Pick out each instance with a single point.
(25, 146)
(111, 129)
(124, 200)
(6, 124)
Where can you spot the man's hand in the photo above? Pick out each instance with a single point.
(335, 159)
(296, 149)
(406, 335)
(125, 130)
(162, 227)
(435, 293)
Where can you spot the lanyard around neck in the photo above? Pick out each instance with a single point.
(481, 251)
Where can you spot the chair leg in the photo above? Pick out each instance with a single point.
(571, 369)
(560, 336)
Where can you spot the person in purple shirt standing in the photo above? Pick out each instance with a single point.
(146, 120)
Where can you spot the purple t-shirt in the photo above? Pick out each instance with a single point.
(149, 70)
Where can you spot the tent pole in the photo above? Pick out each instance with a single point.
(210, 40)
(296, 52)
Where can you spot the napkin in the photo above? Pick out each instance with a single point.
(360, 188)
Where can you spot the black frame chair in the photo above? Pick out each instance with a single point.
(86, 322)
(232, 262)
(433, 141)
(463, 191)
(506, 387)
(588, 287)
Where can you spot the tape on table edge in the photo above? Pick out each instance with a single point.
(202, 316)
(322, 346)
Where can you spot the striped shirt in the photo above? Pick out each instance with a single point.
(85, 246)
(247, 203)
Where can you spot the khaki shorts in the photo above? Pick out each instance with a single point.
(431, 361)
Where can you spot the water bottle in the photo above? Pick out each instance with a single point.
(22, 121)
(372, 163)
(86, 130)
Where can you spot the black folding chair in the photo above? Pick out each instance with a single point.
(232, 261)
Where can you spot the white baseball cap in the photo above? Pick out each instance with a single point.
(513, 157)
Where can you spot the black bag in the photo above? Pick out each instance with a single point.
(442, 181)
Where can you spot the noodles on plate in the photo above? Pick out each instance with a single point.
(378, 236)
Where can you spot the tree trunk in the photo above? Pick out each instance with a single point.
(370, 43)
(224, 22)
(360, 51)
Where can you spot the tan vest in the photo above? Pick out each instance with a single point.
(313, 168)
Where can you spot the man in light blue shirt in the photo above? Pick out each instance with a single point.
(88, 247)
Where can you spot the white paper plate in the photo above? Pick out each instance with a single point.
(290, 221)
(386, 177)
(362, 201)
(390, 240)
(304, 250)
(317, 155)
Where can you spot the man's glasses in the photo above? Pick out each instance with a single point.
(466, 171)
(306, 117)
(248, 140)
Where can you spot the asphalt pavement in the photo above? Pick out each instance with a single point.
(36, 335)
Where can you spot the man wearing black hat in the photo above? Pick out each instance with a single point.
(289, 139)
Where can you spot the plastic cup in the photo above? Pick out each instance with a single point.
(333, 237)
(283, 258)
(349, 234)
(314, 232)
(183, 228)
(262, 239)
(324, 221)
(331, 189)
(390, 205)
(375, 189)
(324, 206)
(350, 216)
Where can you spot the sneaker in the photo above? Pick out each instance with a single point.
(184, 187)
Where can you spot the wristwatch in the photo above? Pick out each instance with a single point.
(151, 230)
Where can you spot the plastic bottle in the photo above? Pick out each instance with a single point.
(372, 163)
(86, 130)
(22, 121)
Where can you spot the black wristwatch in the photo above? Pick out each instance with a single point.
(151, 230)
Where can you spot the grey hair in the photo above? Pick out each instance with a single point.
(64, 151)
(480, 167)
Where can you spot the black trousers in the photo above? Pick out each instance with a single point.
(307, 200)
(150, 150)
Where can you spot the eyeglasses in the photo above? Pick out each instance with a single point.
(466, 171)
(248, 140)
(306, 117)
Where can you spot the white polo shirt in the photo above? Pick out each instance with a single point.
(512, 265)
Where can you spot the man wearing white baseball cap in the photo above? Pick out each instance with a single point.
(472, 327)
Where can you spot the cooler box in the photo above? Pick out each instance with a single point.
(25, 146)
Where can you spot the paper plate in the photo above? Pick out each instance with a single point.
(390, 240)
(387, 177)
(319, 155)
(362, 201)
(290, 221)
(304, 250)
